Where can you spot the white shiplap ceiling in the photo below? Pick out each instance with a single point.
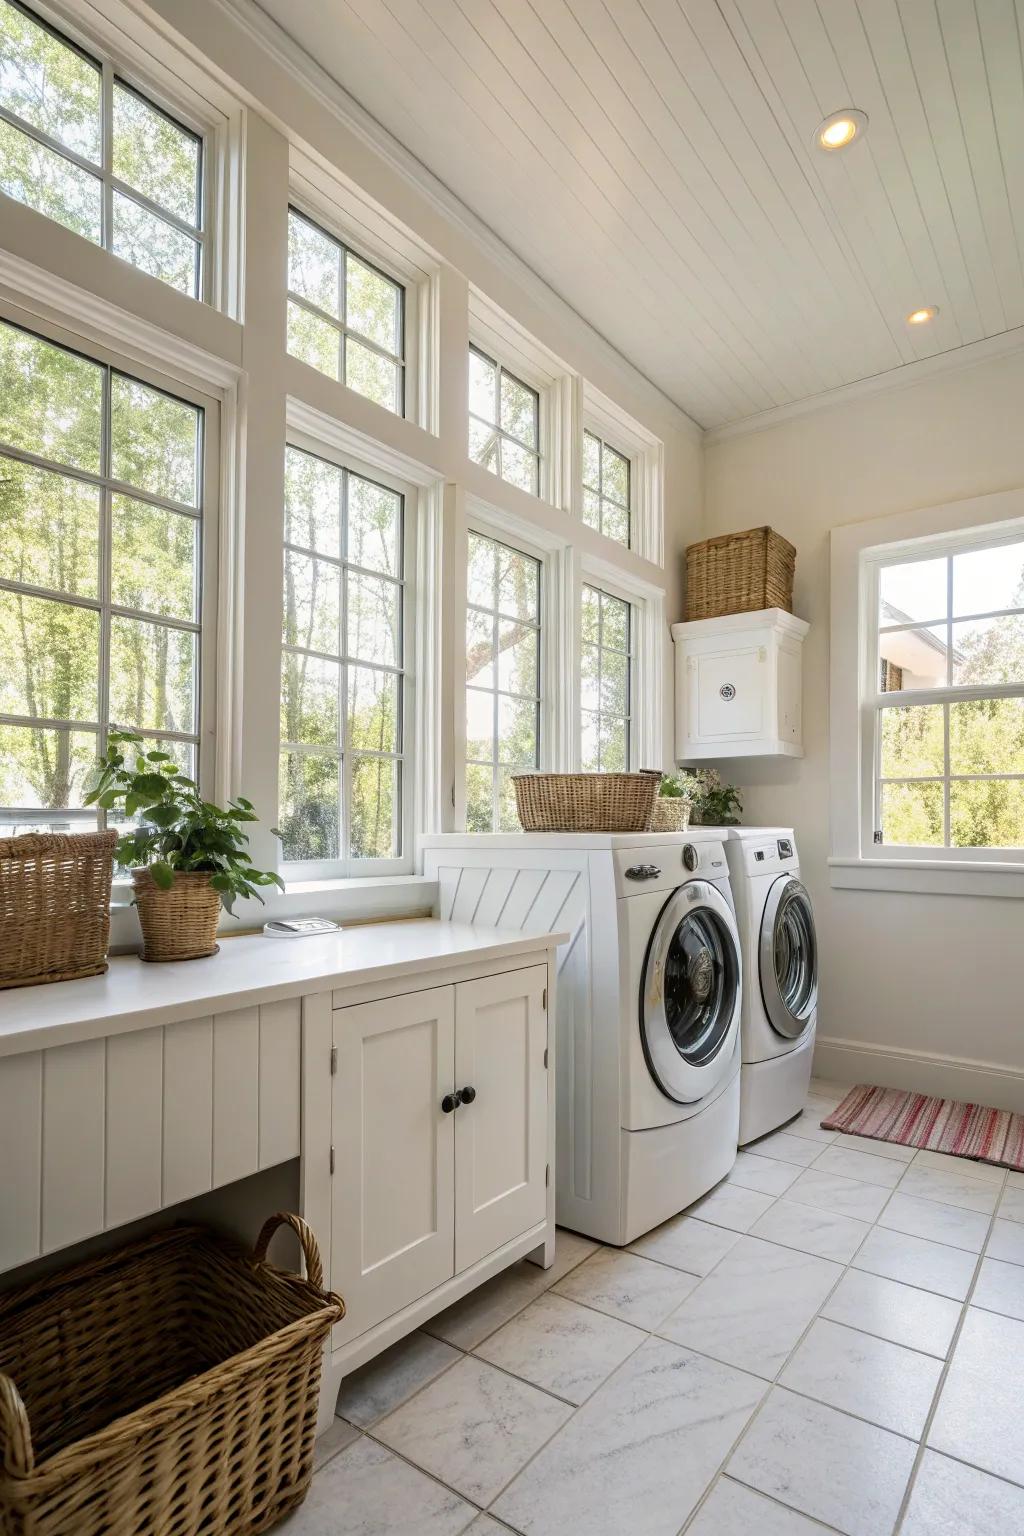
(652, 160)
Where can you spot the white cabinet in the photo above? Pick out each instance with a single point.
(738, 686)
(440, 1114)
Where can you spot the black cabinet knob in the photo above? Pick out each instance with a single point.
(449, 1102)
(467, 1095)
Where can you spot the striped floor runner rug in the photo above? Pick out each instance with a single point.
(939, 1125)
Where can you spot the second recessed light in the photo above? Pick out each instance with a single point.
(840, 129)
(922, 316)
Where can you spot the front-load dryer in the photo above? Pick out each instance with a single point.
(647, 1007)
(780, 957)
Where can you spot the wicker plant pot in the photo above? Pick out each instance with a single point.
(54, 906)
(670, 814)
(739, 573)
(168, 1388)
(179, 923)
(585, 802)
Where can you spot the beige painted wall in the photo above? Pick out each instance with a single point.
(935, 975)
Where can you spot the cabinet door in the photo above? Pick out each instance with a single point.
(731, 694)
(393, 1225)
(501, 1137)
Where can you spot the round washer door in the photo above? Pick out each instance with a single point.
(789, 958)
(690, 992)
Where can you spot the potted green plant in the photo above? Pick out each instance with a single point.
(187, 855)
(673, 803)
(714, 804)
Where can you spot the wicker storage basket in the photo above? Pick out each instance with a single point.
(179, 923)
(739, 573)
(168, 1389)
(54, 906)
(670, 815)
(585, 802)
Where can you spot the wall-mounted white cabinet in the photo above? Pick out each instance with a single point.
(738, 686)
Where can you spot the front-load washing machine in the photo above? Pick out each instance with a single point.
(780, 959)
(648, 1007)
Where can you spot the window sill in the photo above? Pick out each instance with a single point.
(365, 897)
(927, 877)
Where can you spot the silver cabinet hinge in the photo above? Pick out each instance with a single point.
(334, 1060)
(332, 1158)
(547, 1175)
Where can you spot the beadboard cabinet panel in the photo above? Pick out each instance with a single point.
(134, 1151)
(74, 1136)
(280, 1063)
(21, 1131)
(236, 1094)
(188, 1110)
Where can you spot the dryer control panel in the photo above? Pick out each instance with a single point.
(769, 855)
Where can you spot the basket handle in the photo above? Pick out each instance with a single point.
(304, 1233)
(16, 1456)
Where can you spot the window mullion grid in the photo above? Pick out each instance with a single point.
(105, 575)
(40, 136)
(344, 764)
(107, 140)
(495, 716)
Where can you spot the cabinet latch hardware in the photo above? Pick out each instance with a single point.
(544, 1000)
(547, 1175)
(332, 1158)
(545, 1056)
(334, 1060)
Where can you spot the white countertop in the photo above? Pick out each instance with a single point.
(252, 969)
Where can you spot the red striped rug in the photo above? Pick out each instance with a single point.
(939, 1125)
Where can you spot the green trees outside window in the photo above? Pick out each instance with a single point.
(606, 649)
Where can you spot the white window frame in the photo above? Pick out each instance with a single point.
(209, 702)
(649, 637)
(114, 65)
(646, 455)
(501, 370)
(859, 552)
(346, 867)
(605, 446)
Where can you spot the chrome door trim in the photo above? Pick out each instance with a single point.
(784, 1022)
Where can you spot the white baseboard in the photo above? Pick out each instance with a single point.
(950, 1077)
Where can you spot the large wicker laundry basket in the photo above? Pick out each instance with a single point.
(54, 906)
(167, 1389)
(739, 573)
(585, 802)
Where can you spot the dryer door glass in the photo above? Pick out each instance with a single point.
(789, 958)
(700, 986)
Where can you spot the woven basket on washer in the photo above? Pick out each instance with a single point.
(739, 573)
(54, 906)
(168, 1389)
(670, 814)
(179, 923)
(585, 802)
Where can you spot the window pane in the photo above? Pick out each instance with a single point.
(152, 676)
(480, 745)
(310, 795)
(483, 445)
(614, 622)
(615, 477)
(44, 768)
(479, 648)
(483, 387)
(374, 524)
(312, 603)
(49, 529)
(310, 712)
(518, 466)
(517, 659)
(614, 683)
(155, 156)
(52, 400)
(479, 798)
(590, 615)
(518, 410)
(374, 618)
(312, 501)
(374, 830)
(518, 584)
(508, 815)
(912, 658)
(154, 558)
(912, 815)
(590, 759)
(986, 813)
(41, 179)
(614, 745)
(517, 732)
(912, 593)
(592, 462)
(373, 710)
(590, 674)
(989, 650)
(592, 509)
(154, 441)
(48, 84)
(988, 579)
(615, 522)
(912, 741)
(154, 246)
(49, 659)
(986, 736)
(372, 305)
(314, 262)
(314, 341)
(483, 569)
(375, 377)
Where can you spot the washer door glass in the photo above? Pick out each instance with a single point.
(690, 992)
(789, 958)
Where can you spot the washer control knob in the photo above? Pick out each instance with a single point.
(643, 872)
(690, 857)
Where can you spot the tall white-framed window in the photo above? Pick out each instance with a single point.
(607, 489)
(345, 805)
(85, 146)
(346, 317)
(943, 698)
(108, 548)
(504, 422)
(503, 698)
(607, 650)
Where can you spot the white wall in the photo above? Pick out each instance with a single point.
(926, 975)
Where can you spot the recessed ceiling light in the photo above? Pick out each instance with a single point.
(840, 130)
(922, 316)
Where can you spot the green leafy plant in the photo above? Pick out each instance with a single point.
(714, 804)
(679, 786)
(179, 832)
